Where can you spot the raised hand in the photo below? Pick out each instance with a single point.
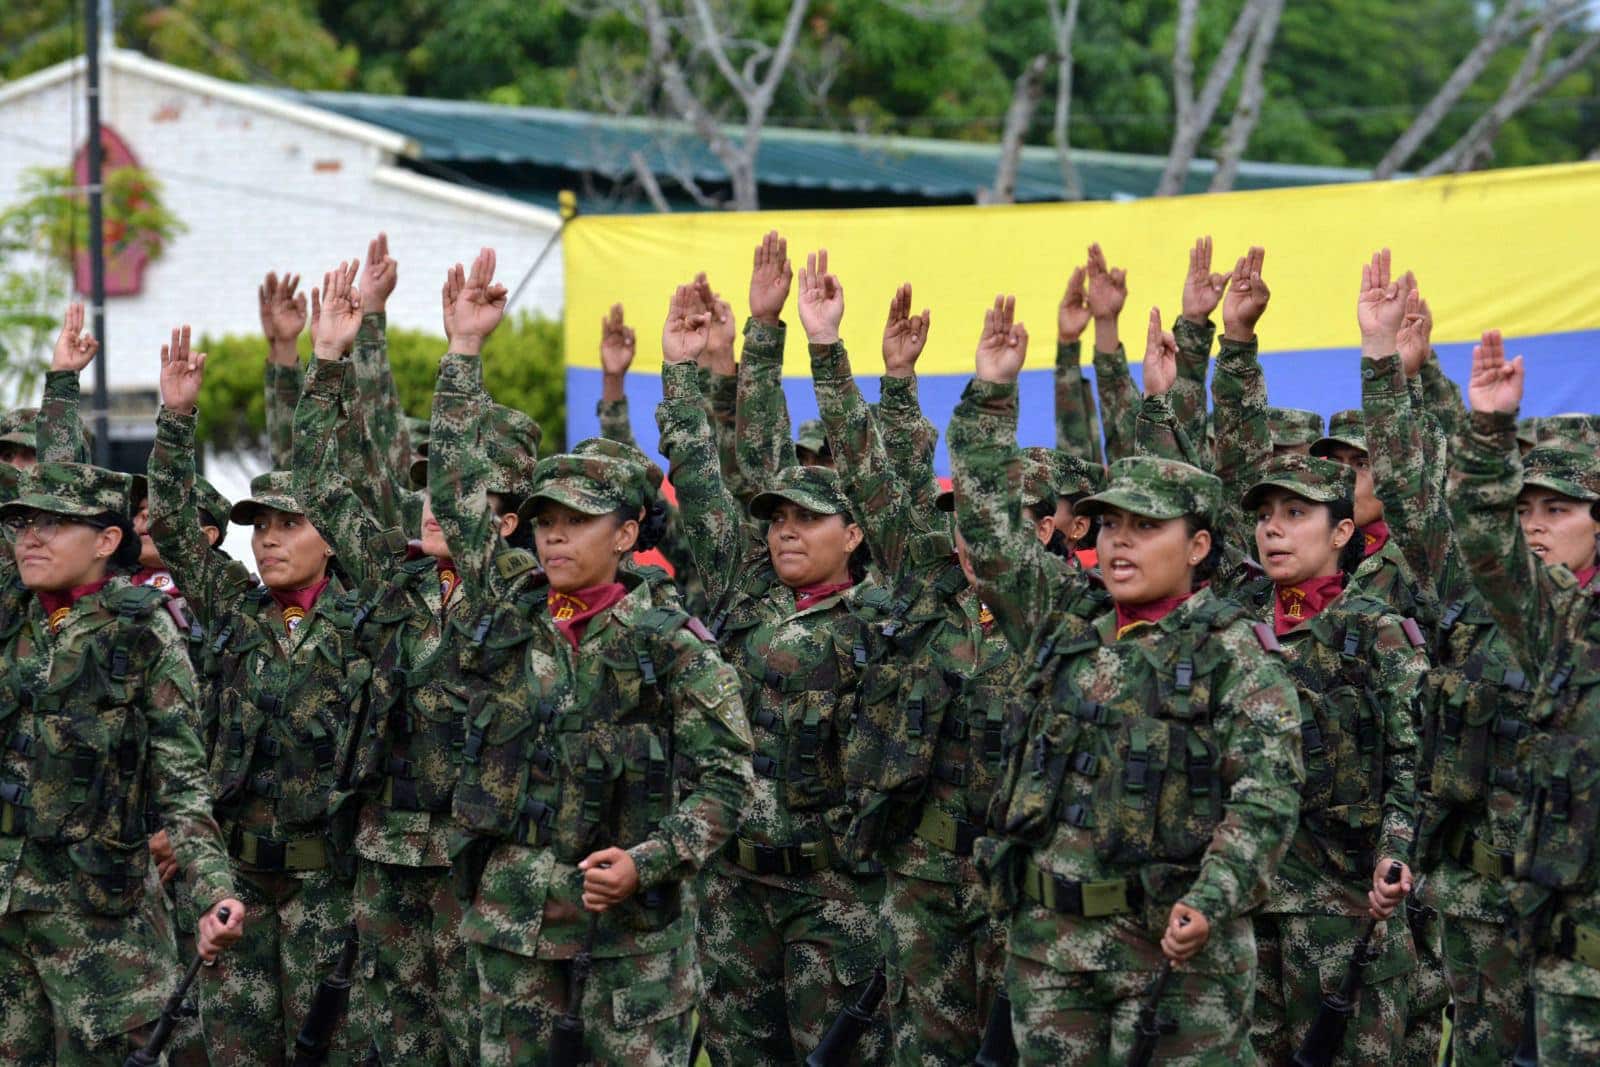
(283, 310)
(478, 307)
(1108, 287)
(75, 347)
(821, 302)
(316, 314)
(687, 329)
(616, 344)
(1202, 286)
(379, 276)
(339, 316)
(1381, 307)
(1496, 382)
(719, 346)
(770, 279)
(1247, 296)
(904, 335)
(1160, 357)
(1003, 347)
(1072, 317)
(1415, 339)
(455, 280)
(182, 373)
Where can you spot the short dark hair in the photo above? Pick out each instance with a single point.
(1355, 549)
(652, 522)
(1206, 569)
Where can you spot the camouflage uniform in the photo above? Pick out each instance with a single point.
(1357, 668)
(17, 428)
(811, 444)
(789, 928)
(1293, 429)
(1549, 620)
(1119, 401)
(1084, 864)
(1570, 431)
(287, 679)
(569, 750)
(97, 716)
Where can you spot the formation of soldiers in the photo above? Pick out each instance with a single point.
(1203, 737)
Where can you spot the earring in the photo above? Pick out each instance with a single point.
(328, 552)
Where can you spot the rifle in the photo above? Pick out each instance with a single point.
(171, 1011)
(999, 1047)
(566, 1043)
(1150, 1026)
(1527, 1053)
(1326, 1036)
(838, 1045)
(328, 1006)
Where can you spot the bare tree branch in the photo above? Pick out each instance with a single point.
(1029, 88)
(1252, 90)
(1065, 25)
(647, 182)
(1508, 24)
(1194, 115)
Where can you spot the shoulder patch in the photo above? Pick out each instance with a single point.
(514, 561)
(1413, 633)
(700, 630)
(1266, 636)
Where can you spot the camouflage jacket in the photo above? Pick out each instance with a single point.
(285, 695)
(97, 719)
(1119, 401)
(763, 437)
(938, 695)
(1548, 619)
(59, 430)
(1188, 392)
(1077, 421)
(800, 670)
(570, 751)
(282, 386)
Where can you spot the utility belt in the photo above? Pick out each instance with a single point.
(1465, 848)
(794, 860)
(1579, 942)
(267, 854)
(1092, 900)
(13, 809)
(946, 831)
(399, 790)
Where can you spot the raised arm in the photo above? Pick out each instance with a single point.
(283, 317)
(1239, 392)
(376, 394)
(1203, 289)
(58, 432)
(1157, 430)
(616, 356)
(909, 438)
(1119, 400)
(765, 440)
(713, 520)
(1077, 423)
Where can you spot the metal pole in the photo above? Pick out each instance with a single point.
(97, 251)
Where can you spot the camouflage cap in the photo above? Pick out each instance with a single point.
(1321, 481)
(1528, 431)
(814, 488)
(589, 485)
(513, 438)
(17, 427)
(619, 450)
(74, 489)
(274, 490)
(206, 499)
(1572, 430)
(1069, 475)
(1564, 470)
(9, 477)
(1345, 428)
(1294, 426)
(1157, 489)
(420, 431)
(812, 437)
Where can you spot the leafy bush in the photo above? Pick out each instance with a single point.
(523, 369)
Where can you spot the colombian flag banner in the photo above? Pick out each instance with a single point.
(1515, 250)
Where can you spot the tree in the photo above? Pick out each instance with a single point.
(1252, 89)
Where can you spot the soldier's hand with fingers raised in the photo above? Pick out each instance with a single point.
(1247, 296)
(283, 316)
(1203, 287)
(379, 276)
(182, 372)
(687, 329)
(904, 335)
(75, 346)
(1160, 357)
(821, 300)
(1072, 314)
(1003, 346)
(339, 316)
(770, 279)
(1415, 339)
(479, 305)
(1496, 382)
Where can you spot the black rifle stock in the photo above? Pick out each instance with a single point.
(837, 1047)
(327, 1010)
(999, 1047)
(161, 1036)
(1149, 1026)
(1326, 1036)
(566, 1042)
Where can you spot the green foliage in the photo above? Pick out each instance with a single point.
(27, 331)
(523, 368)
(53, 217)
(251, 40)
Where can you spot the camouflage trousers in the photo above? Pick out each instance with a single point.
(1086, 1018)
(79, 989)
(253, 1001)
(417, 984)
(779, 967)
(1489, 989)
(1302, 957)
(637, 1010)
(188, 1047)
(1568, 1023)
(945, 958)
(1429, 992)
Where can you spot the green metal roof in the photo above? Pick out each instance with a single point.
(529, 152)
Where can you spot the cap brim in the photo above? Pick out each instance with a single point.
(245, 511)
(764, 504)
(1559, 485)
(1253, 495)
(50, 505)
(1150, 505)
(1324, 445)
(26, 440)
(576, 499)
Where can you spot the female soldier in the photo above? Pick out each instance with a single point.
(1155, 790)
(97, 716)
(1529, 539)
(288, 678)
(586, 697)
(788, 926)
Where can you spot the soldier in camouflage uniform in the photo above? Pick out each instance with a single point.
(1357, 668)
(17, 443)
(788, 927)
(1293, 429)
(1098, 880)
(811, 445)
(98, 716)
(288, 678)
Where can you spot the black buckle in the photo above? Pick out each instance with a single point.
(14, 793)
(1086, 764)
(954, 773)
(765, 766)
(955, 727)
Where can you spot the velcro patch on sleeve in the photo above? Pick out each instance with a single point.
(1267, 637)
(1413, 633)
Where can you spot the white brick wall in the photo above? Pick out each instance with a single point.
(261, 191)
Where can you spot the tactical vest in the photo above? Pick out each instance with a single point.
(1144, 777)
(1474, 709)
(83, 738)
